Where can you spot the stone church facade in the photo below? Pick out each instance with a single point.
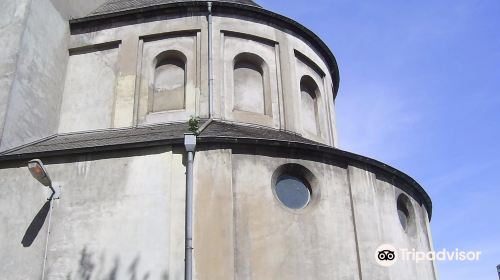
(102, 91)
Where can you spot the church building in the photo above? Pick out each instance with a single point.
(180, 139)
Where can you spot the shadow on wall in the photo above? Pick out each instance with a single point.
(88, 266)
(35, 226)
(88, 269)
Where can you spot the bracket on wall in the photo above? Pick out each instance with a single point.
(54, 191)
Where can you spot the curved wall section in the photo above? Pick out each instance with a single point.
(257, 72)
(241, 230)
(247, 97)
(263, 208)
(352, 210)
(167, 72)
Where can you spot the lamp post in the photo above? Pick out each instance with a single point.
(38, 171)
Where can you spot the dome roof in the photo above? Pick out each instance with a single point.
(113, 6)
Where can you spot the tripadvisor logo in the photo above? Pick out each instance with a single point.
(386, 255)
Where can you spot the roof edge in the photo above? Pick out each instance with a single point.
(96, 12)
(349, 157)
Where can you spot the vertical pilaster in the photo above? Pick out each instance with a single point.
(123, 108)
(213, 216)
(289, 85)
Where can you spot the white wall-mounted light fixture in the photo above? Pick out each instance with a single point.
(39, 172)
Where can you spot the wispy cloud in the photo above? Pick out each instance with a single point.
(377, 120)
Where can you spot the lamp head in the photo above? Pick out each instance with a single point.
(39, 172)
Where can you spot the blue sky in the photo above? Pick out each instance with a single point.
(420, 90)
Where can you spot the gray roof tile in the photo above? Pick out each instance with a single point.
(114, 6)
(161, 134)
(231, 130)
(147, 135)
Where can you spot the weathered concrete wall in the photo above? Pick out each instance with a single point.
(23, 230)
(377, 223)
(313, 110)
(121, 216)
(274, 242)
(231, 37)
(242, 231)
(36, 88)
(185, 47)
(119, 224)
(33, 62)
(237, 46)
(89, 91)
(284, 75)
(13, 16)
(140, 44)
(214, 221)
(36, 93)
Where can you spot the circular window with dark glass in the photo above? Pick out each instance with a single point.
(293, 192)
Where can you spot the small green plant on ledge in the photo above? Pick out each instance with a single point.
(194, 124)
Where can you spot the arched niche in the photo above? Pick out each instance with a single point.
(169, 85)
(249, 80)
(309, 94)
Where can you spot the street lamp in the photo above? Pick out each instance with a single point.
(39, 172)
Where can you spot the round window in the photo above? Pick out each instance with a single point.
(292, 191)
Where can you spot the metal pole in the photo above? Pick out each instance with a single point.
(498, 270)
(210, 64)
(47, 238)
(190, 144)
